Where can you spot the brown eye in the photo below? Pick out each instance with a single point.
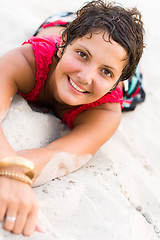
(82, 54)
(107, 72)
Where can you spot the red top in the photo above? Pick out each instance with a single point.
(44, 49)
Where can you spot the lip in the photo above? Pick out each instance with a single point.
(84, 91)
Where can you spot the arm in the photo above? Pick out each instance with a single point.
(92, 129)
(16, 73)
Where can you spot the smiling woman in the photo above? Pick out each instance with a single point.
(76, 74)
(87, 77)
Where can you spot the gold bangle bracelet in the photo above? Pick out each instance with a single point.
(16, 176)
(19, 162)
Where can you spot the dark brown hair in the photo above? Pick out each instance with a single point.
(124, 26)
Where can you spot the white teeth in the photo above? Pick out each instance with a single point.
(75, 86)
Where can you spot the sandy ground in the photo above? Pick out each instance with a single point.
(116, 195)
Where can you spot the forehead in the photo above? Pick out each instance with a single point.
(104, 40)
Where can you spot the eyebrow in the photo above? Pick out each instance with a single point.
(107, 66)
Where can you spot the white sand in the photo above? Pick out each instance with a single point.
(116, 195)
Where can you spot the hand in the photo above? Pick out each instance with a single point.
(17, 200)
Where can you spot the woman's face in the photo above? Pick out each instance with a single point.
(88, 69)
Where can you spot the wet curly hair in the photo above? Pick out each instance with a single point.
(123, 25)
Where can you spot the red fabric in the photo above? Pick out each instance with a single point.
(44, 49)
(136, 92)
(51, 24)
(127, 101)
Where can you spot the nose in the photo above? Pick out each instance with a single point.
(87, 75)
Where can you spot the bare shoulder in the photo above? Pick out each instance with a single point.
(18, 68)
(96, 116)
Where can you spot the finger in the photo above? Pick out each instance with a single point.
(20, 221)
(30, 225)
(39, 229)
(10, 218)
(3, 208)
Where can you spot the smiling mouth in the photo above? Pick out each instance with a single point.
(76, 87)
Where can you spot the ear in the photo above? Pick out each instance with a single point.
(61, 48)
(59, 52)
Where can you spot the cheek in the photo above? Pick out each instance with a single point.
(69, 64)
(101, 87)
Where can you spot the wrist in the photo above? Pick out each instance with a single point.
(19, 170)
(16, 176)
(20, 164)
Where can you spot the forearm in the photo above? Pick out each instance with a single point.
(62, 160)
(40, 157)
(51, 164)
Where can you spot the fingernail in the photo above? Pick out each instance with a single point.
(38, 229)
